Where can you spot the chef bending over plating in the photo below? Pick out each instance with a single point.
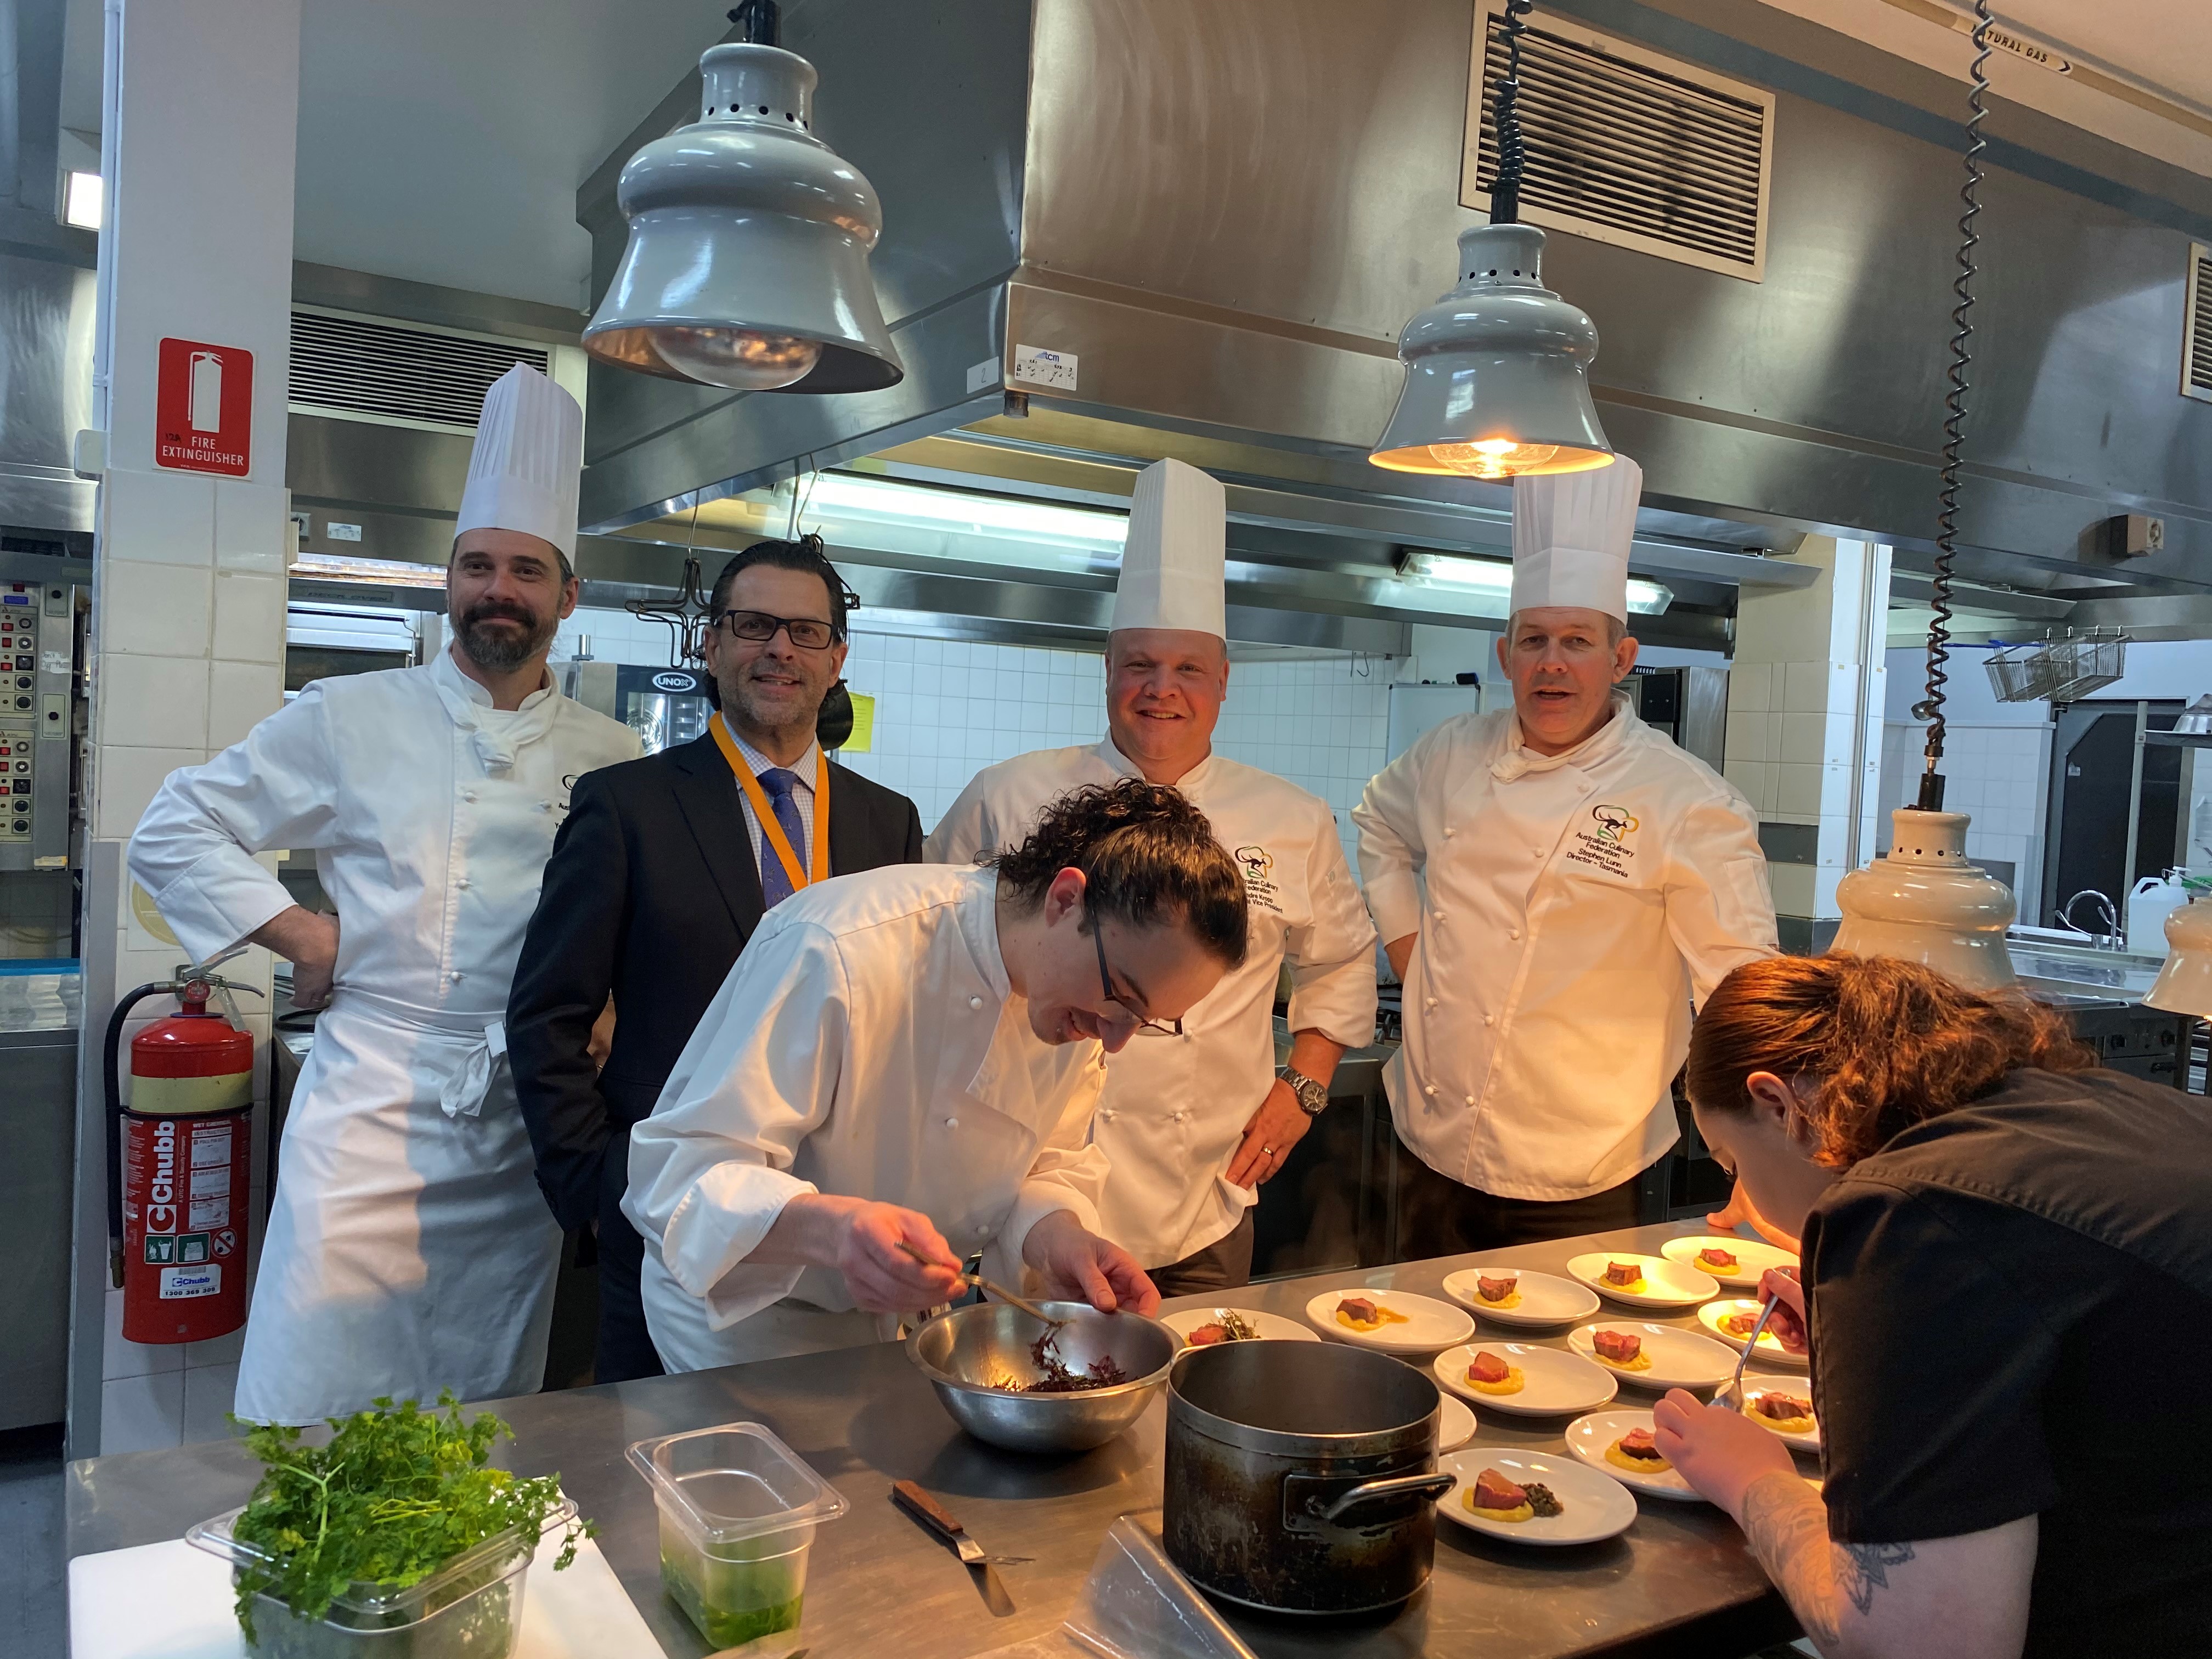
(912, 1056)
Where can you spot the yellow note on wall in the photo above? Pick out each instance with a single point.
(863, 725)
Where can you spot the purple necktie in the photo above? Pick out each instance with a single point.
(775, 881)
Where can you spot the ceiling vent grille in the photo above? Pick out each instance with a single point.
(2196, 326)
(355, 365)
(1628, 147)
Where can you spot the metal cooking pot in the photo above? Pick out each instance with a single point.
(1300, 1475)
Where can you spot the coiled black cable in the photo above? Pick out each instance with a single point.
(1954, 420)
(1506, 117)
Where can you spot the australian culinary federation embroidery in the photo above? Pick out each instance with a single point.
(1601, 841)
(1258, 865)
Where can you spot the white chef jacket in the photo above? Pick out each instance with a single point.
(409, 1250)
(1576, 906)
(1176, 1107)
(867, 1044)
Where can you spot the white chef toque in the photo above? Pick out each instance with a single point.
(1571, 536)
(528, 458)
(1171, 564)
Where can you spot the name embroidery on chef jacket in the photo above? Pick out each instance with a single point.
(1601, 842)
(1258, 865)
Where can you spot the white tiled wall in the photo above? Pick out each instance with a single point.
(1323, 725)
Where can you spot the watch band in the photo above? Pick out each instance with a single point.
(1312, 1097)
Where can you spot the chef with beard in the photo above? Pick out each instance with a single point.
(407, 1249)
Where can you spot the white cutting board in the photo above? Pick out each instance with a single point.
(173, 1601)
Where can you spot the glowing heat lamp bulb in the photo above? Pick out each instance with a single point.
(1492, 457)
(741, 359)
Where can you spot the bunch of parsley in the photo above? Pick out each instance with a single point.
(398, 1493)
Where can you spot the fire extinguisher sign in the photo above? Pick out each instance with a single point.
(203, 408)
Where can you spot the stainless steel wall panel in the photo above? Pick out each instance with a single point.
(46, 391)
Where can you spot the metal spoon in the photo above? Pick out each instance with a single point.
(1735, 1384)
(985, 1285)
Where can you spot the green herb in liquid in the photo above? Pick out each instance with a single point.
(397, 1494)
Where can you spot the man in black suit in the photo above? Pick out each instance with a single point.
(660, 874)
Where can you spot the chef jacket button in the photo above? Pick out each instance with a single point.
(975, 1002)
(1430, 1003)
(1513, 933)
(1490, 1019)
(1448, 834)
(951, 1122)
(455, 975)
(468, 794)
(545, 806)
(461, 882)
(1430, 1090)
(1470, 1100)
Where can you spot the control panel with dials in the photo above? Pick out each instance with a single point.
(38, 680)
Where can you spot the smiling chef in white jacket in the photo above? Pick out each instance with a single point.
(1586, 882)
(409, 1250)
(1192, 1125)
(910, 1056)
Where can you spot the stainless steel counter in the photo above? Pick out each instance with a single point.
(1679, 1581)
(38, 1017)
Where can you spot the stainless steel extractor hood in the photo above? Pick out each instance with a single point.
(1216, 218)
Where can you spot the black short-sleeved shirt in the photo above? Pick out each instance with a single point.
(2012, 1316)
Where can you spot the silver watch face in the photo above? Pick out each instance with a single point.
(1312, 1097)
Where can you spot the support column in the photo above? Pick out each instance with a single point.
(201, 104)
(1804, 727)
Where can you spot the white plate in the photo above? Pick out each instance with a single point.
(1545, 1299)
(1666, 1284)
(1429, 1324)
(1271, 1326)
(1592, 1507)
(1679, 1359)
(1589, 1437)
(1770, 1351)
(1456, 1426)
(1752, 1256)
(1810, 1441)
(1553, 1383)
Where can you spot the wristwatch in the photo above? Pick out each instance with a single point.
(1313, 1098)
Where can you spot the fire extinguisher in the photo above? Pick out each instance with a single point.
(178, 1162)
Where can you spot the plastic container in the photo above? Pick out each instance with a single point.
(470, 1608)
(737, 1513)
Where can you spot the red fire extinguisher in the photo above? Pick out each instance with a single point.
(179, 1164)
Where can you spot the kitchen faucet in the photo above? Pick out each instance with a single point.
(2110, 938)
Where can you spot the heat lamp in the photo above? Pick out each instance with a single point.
(1497, 370)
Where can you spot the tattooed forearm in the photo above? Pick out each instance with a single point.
(1787, 1528)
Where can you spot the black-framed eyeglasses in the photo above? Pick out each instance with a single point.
(1144, 1027)
(804, 632)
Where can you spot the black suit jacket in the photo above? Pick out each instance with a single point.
(651, 893)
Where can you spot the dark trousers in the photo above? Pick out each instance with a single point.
(1438, 1216)
(626, 1350)
(1224, 1265)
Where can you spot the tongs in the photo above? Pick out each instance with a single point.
(980, 1283)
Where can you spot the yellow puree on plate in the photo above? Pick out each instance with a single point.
(1513, 1383)
(1620, 1459)
(1523, 1511)
(1382, 1316)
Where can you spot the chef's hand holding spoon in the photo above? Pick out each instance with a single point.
(1077, 1265)
(862, 1239)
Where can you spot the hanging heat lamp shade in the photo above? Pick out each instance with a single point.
(748, 239)
(1924, 902)
(2185, 983)
(1497, 371)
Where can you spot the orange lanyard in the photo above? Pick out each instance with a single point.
(771, 831)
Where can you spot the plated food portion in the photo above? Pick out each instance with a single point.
(1785, 1410)
(1392, 1321)
(1522, 1297)
(1536, 1381)
(1202, 1327)
(1781, 1343)
(1621, 1443)
(1532, 1497)
(1737, 1261)
(1654, 1356)
(1643, 1281)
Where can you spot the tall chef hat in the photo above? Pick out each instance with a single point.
(1171, 565)
(529, 456)
(1570, 536)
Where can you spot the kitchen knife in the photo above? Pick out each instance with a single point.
(939, 1520)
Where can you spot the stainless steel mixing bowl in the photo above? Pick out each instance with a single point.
(969, 1353)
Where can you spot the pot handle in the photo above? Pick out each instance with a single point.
(1430, 1486)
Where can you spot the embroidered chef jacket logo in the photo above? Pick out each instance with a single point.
(1602, 844)
(1259, 866)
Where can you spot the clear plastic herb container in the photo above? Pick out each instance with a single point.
(737, 1513)
(470, 1608)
